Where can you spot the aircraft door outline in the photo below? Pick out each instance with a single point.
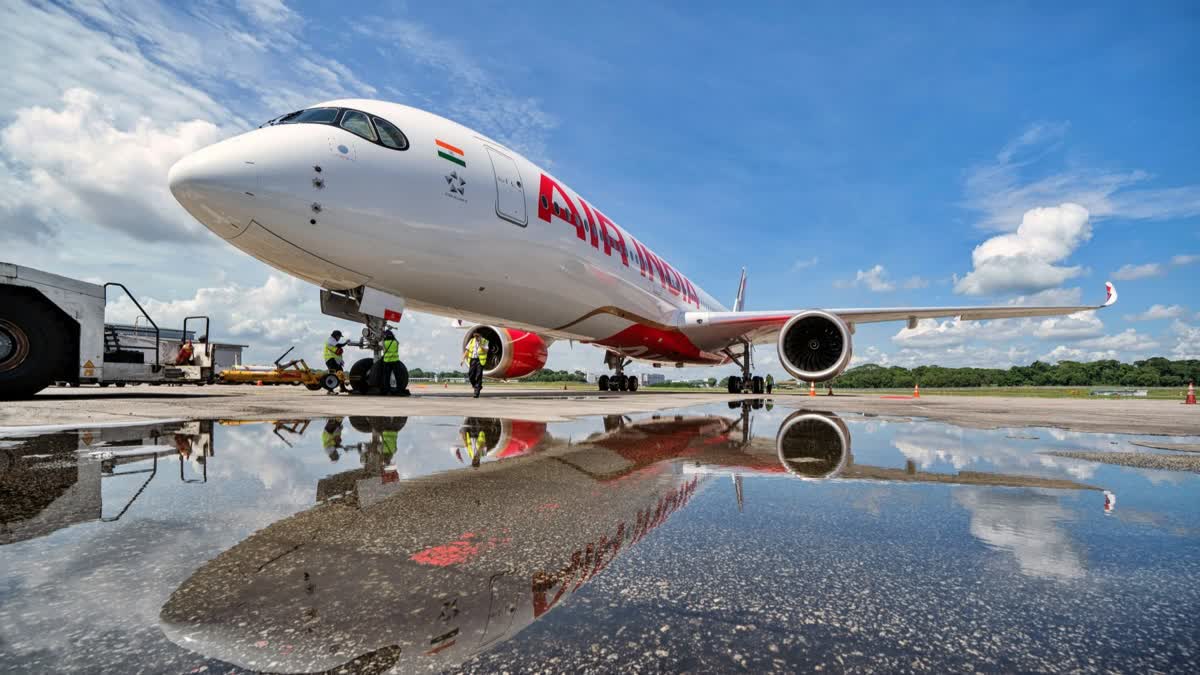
(510, 191)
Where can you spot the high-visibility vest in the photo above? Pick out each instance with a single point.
(391, 351)
(389, 444)
(476, 445)
(475, 350)
(331, 352)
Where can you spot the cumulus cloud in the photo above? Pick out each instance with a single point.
(78, 163)
(1025, 261)
(934, 333)
(1050, 297)
(1129, 339)
(874, 279)
(1073, 326)
(1131, 272)
(1187, 344)
(1156, 312)
(1065, 353)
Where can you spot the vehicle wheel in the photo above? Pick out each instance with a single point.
(757, 384)
(32, 346)
(315, 386)
(122, 384)
(330, 381)
(735, 384)
(103, 384)
(360, 376)
(617, 382)
(400, 382)
(633, 383)
(602, 381)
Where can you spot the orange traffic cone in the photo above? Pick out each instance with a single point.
(812, 388)
(916, 391)
(1191, 397)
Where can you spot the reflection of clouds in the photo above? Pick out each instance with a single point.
(1025, 523)
(930, 444)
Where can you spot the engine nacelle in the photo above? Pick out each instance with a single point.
(815, 346)
(813, 446)
(512, 353)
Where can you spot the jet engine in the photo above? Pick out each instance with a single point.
(512, 353)
(815, 346)
(812, 445)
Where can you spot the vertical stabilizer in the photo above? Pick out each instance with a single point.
(740, 301)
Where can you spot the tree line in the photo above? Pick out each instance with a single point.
(1155, 372)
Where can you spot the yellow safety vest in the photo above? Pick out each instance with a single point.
(391, 351)
(476, 445)
(331, 352)
(476, 351)
(389, 443)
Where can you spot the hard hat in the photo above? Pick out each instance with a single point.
(336, 334)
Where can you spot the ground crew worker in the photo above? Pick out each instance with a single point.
(391, 365)
(334, 360)
(186, 352)
(770, 383)
(476, 447)
(388, 446)
(331, 438)
(475, 356)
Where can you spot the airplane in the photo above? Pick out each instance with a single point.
(389, 208)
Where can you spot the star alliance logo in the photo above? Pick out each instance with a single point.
(457, 184)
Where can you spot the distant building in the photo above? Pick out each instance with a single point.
(653, 378)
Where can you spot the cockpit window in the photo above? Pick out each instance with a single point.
(357, 123)
(382, 132)
(389, 135)
(310, 116)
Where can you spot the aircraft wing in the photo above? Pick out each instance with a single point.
(763, 325)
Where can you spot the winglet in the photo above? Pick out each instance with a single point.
(1112, 294)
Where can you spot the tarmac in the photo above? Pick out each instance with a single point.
(92, 405)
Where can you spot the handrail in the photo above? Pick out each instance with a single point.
(207, 337)
(153, 471)
(157, 333)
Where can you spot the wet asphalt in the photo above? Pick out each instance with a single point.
(713, 539)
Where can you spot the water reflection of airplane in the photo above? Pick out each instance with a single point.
(428, 572)
(51, 481)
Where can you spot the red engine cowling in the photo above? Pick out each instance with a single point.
(512, 353)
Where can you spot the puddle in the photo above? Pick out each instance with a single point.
(715, 538)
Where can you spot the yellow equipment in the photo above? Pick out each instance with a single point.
(292, 372)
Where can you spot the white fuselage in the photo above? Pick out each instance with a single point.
(456, 224)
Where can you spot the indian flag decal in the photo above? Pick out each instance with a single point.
(449, 152)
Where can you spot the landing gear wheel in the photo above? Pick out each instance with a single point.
(735, 384)
(315, 386)
(330, 381)
(633, 383)
(757, 385)
(400, 381)
(360, 376)
(602, 382)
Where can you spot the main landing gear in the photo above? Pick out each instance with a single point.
(366, 375)
(747, 383)
(618, 381)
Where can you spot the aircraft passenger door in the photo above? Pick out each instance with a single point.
(510, 193)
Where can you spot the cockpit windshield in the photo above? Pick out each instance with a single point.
(357, 123)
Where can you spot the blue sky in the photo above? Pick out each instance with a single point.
(849, 155)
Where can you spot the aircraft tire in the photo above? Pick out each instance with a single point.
(757, 384)
(633, 383)
(360, 376)
(602, 382)
(735, 384)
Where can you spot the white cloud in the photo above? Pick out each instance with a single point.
(1129, 339)
(1158, 312)
(1187, 344)
(1185, 259)
(874, 279)
(915, 282)
(804, 264)
(1065, 353)
(934, 333)
(1071, 327)
(1131, 272)
(1024, 261)
(1050, 297)
(1006, 187)
(79, 163)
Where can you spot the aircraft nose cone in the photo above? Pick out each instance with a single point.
(217, 186)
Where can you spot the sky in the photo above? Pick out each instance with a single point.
(847, 154)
